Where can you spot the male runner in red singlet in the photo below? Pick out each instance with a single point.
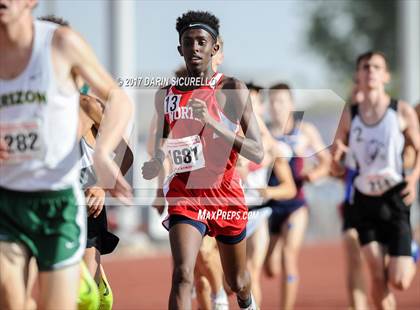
(204, 194)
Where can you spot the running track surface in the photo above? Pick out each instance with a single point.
(144, 283)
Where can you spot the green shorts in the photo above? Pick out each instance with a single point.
(51, 224)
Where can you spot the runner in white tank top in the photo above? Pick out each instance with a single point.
(376, 151)
(376, 132)
(39, 213)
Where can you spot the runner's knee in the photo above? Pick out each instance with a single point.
(271, 269)
(239, 282)
(202, 285)
(401, 284)
(183, 275)
(400, 281)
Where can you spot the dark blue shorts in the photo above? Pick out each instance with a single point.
(279, 217)
(202, 228)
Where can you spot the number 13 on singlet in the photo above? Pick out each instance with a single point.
(186, 153)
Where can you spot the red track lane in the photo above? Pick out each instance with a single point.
(144, 283)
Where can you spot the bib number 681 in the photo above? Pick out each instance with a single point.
(185, 155)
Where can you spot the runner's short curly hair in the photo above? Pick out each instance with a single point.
(197, 17)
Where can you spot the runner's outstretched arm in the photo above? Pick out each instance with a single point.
(118, 108)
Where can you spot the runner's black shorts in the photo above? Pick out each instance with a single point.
(99, 236)
(349, 216)
(385, 219)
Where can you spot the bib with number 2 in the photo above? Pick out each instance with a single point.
(186, 153)
(23, 139)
